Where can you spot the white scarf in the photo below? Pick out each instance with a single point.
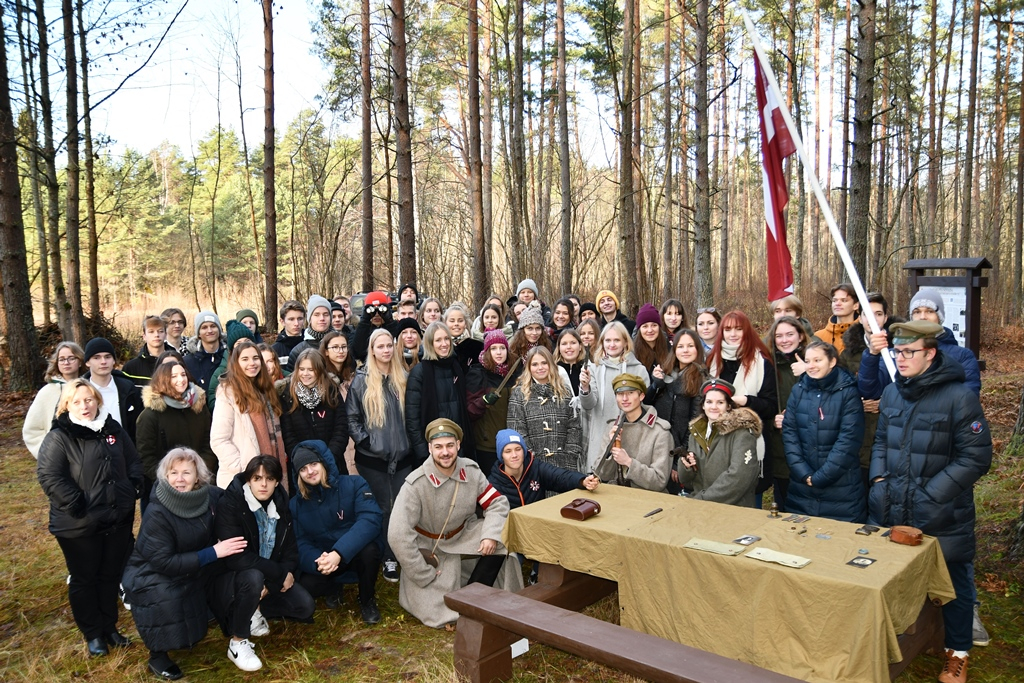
(748, 381)
(95, 425)
(254, 503)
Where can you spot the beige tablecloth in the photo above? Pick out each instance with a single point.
(825, 622)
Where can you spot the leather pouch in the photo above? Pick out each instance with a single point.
(430, 557)
(905, 535)
(581, 509)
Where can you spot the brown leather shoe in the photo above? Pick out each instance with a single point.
(955, 670)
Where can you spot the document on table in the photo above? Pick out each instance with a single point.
(715, 546)
(785, 559)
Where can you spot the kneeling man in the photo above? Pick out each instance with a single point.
(436, 535)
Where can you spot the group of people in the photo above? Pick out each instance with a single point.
(270, 475)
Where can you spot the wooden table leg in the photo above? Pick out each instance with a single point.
(482, 652)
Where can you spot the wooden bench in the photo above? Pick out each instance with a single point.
(924, 635)
(491, 620)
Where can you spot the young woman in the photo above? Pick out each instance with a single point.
(720, 465)
(823, 430)
(787, 339)
(488, 409)
(597, 397)
(175, 415)
(312, 407)
(466, 347)
(741, 358)
(493, 316)
(430, 311)
(437, 388)
(260, 582)
(571, 356)
(272, 362)
(516, 311)
(589, 331)
(341, 365)
(530, 332)
(576, 304)
(66, 364)
(673, 318)
(246, 423)
(708, 320)
(376, 421)
(409, 343)
(675, 390)
(89, 470)
(540, 409)
(651, 343)
(167, 574)
(561, 318)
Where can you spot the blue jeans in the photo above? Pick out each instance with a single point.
(958, 614)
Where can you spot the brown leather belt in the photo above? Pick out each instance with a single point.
(443, 537)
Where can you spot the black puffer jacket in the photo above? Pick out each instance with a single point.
(320, 423)
(166, 575)
(674, 406)
(933, 443)
(161, 427)
(234, 518)
(450, 389)
(91, 478)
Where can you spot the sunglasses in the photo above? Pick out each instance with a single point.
(710, 309)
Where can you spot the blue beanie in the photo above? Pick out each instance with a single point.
(507, 436)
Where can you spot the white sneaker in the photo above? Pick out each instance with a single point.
(243, 655)
(258, 624)
(120, 593)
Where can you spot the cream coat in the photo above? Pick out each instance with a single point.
(599, 404)
(424, 500)
(232, 437)
(40, 416)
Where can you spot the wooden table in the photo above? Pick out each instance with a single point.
(825, 622)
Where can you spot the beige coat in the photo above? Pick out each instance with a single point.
(40, 416)
(648, 441)
(425, 500)
(233, 438)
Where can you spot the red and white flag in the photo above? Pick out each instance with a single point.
(776, 145)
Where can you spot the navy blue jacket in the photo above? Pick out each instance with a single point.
(822, 433)
(933, 443)
(874, 377)
(201, 365)
(344, 517)
(538, 478)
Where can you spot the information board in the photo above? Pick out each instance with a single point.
(954, 299)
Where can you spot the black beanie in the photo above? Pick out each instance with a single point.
(408, 324)
(98, 345)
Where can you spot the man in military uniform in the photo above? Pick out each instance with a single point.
(643, 456)
(932, 445)
(436, 535)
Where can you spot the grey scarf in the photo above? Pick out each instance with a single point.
(184, 504)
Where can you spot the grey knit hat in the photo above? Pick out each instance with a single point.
(927, 297)
(531, 315)
(316, 301)
(207, 317)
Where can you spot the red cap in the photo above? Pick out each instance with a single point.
(376, 299)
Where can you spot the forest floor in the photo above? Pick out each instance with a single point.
(39, 641)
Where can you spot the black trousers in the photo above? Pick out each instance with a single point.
(487, 569)
(295, 603)
(96, 564)
(366, 563)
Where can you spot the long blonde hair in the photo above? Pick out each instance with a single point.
(627, 341)
(374, 400)
(525, 382)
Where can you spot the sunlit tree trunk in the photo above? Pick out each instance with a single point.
(71, 231)
(366, 150)
(269, 167)
(702, 203)
(90, 178)
(403, 146)
(563, 151)
(972, 108)
(860, 174)
(627, 236)
(480, 274)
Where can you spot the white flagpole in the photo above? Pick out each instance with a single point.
(812, 180)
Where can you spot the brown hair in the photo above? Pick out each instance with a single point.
(348, 367)
(265, 348)
(250, 395)
(151, 321)
(518, 347)
(161, 380)
(329, 393)
(649, 357)
(694, 373)
(751, 345)
(53, 368)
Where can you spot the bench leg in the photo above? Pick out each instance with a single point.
(482, 652)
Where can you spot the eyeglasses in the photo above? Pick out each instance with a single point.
(710, 309)
(337, 349)
(906, 353)
(69, 359)
(177, 323)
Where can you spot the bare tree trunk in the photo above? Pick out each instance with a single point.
(518, 198)
(71, 211)
(1018, 220)
(844, 194)
(667, 92)
(639, 188)
(269, 167)
(22, 343)
(972, 108)
(90, 178)
(722, 185)
(563, 150)
(481, 277)
(366, 87)
(627, 236)
(403, 146)
(702, 215)
(860, 176)
(486, 130)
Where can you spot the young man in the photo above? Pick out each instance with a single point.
(206, 349)
(434, 529)
(318, 315)
(293, 319)
(408, 292)
(406, 309)
(523, 479)
(932, 445)
(643, 459)
(175, 319)
(121, 398)
(845, 311)
(376, 314)
(608, 307)
(248, 317)
(154, 333)
(338, 317)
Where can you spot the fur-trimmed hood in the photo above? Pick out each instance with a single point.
(194, 345)
(155, 402)
(737, 418)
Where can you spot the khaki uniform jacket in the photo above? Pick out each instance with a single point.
(727, 466)
(424, 501)
(649, 442)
